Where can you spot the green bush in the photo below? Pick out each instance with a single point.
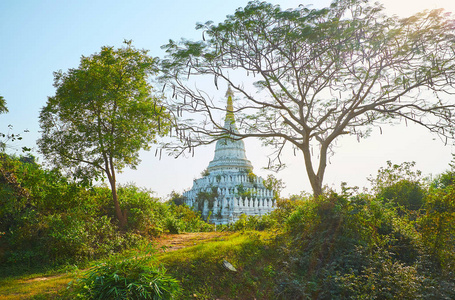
(247, 223)
(340, 246)
(132, 278)
(269, 221)
(151, 217)
(184, 219)
(46, 218)
(146, 214)
(407, 194)
(381, 277)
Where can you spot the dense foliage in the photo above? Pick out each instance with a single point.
(45, 219)
(345, 245)
(396, 243)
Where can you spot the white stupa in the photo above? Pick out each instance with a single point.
(229, 188)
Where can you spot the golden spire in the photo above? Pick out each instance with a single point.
(230, 107)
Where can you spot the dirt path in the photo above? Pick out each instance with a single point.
(166, 242)
(172, 242)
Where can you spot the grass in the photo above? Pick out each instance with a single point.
(198, 267)
(203, 276)
(33, 287)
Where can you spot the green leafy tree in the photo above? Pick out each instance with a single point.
(3, 108)
(102, 114)
(400, 185)
(274, 184)
(316, 75)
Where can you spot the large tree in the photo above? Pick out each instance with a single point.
(102, 114)
(309, 76)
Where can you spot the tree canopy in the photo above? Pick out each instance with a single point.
(102, 114)
(318, 74)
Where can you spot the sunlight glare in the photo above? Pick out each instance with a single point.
(405, 8)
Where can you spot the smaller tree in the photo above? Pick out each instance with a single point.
(102, 114)
(400, 185)
(274, 184)
(176, 198)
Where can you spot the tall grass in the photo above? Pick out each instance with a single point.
(131, 278)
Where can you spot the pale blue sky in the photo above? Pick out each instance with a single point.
(38, 37)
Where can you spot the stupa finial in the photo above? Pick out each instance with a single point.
(230, 106)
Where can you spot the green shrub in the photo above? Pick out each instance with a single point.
(146, 214)
(247, 223)
(381, 277)
(184, 219)
(299, 218)
(132, 278)
(149, 216)
(272, 220)
(407, 194)
(174, 225)
(48, 220)
(285, 207)
(266, 222)
(339, 247)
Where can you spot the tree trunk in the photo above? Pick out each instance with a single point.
(110, 172)
(121, 216)
(315, 179)
(317, 188)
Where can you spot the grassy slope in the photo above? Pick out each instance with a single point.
(201, 272)
(198, 267)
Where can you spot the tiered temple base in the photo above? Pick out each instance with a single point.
(224, 198)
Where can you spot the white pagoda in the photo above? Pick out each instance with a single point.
(229, 188)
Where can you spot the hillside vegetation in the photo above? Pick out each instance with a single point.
(49, 221)
(395, 242)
